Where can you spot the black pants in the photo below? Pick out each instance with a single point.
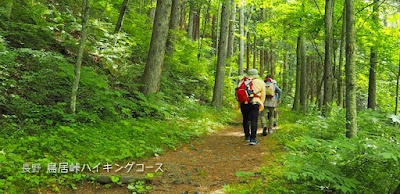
(250, 114)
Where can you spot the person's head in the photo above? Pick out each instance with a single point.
(252, 73)
(269, 76)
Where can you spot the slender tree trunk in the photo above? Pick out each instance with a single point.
(248, 54)
(373, 63)
(303, 80)
(328, 56)
(78, 64)
(173, 26)
(267, 62)
(319, 83)
(312, 92)
(351, 107)
(191, 21)
(298, 67)
(262, 62)
(222, 52)
(218, 23)
(255, 52)
(241, 39)
(155, 58)
(285, 74)
(397, 90)
(121, 17)
(213, 32)
(271, 58)
(104, 10)
(183, 15)
(231, 37)
(153, 10)
(341, 60)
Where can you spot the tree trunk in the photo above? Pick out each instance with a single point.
(121, 17)
(191, 22)
(303, 80)
(222, 51)
(241, 39)
(173, 26)
(155, 57)
(312, 64)
(351, 106)
(78, 64)
(285, 74)
(231, 37)
(248, 54)
(271, 58)
(397, 89)
(341, 60)
(255, 52)
(298, 66)
(183, 15)
(153, 10)
(373, 63)
(218, 23)
(328, 56)
(262, 62)
(213, 32)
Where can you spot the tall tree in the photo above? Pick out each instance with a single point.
(397, 89)
(328, 55)
(121, 17)
(232, 23)
(173, 26)
(191, 20)
(152, 10)
(155, 57)
(351, 108)
(78, 64)
(255, 51)
(373, 62)
(303, 70)
(298, 67)
(241, 39)
(222, 52)
(248, 53)
(341, 60)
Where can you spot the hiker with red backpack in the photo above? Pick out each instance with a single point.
(273, 94)
(250, 93)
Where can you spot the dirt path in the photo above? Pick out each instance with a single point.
(204, 165)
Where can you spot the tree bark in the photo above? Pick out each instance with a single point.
(328, 56)
(173, 26)
(255, 52)
(121, 17)
(351, 108)
(341, 60)
(213, 32)
(248, 54)
(222, 52)
(155, 58)
(373, 63)
(191, 21)
(78, 64)
(262, 62)
(152, 10)
(397, 90)
(298, 66)
(312, 92)
(303, 80)
(231, 37)
(271, 58)
(183, 15)
(241, 39)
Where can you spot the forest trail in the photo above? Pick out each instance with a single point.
(204, 165)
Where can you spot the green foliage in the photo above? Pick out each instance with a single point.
(318, 161)
(139, 187)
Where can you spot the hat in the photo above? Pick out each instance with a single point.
(252, 73)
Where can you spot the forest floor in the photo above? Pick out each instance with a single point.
(204, 165)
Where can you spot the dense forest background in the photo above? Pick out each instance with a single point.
(110, 80)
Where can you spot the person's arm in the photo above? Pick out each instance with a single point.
(278, 90)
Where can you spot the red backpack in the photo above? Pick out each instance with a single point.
(244, 91)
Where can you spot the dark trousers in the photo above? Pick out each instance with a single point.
(250, 114)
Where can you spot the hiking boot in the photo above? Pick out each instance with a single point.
(253, 142)
(247, 139)
(274, 123)
(264, 133)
